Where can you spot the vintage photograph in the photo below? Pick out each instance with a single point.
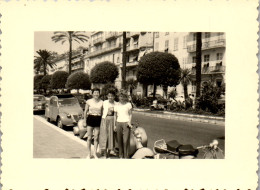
(129, 95)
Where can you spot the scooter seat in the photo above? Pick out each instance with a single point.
(188, 149)
(173, 145)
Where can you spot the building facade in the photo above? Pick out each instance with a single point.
(108, 46)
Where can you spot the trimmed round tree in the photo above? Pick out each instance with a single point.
(158, 68)
(59, 79)
(46, 82)
(104, 72)
(37, 84)
(78, 80)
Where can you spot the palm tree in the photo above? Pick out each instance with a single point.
(44, 59)
(69, 36)
(131, 84)
(185, 81)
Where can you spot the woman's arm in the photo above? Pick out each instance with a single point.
(115, 118)
(130, 117)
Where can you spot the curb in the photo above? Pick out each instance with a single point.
(186, 117)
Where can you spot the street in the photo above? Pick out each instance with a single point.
(185, 132)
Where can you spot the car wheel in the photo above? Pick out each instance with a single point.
(59, 123)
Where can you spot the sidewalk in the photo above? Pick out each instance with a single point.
(51, 142)
(183, 116)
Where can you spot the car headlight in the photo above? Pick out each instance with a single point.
(68, 116)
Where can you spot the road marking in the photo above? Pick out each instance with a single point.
(71, 136)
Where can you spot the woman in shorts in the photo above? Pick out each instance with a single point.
(92, 114)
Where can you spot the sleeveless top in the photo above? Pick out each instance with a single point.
(94, 107)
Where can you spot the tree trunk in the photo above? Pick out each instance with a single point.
(44, 69)
(131, 91)
(154, 90)
(185, 91)
(145, 90)
(198, 64)
(124, 62)
(165, 89)
(70, 51)
(77, 91)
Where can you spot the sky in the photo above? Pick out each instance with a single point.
(42, 40)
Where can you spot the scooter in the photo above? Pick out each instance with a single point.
(174, 150)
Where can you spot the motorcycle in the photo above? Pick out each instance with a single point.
(174, 150)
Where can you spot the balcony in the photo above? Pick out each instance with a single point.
(218, 69)
(134, 34)
(132, 48)
(104, 50)
(111, 35)
(130, 64)
(207, 45)
(98, 41)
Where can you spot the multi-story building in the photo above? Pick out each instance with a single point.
(107, 46)
(212, 56)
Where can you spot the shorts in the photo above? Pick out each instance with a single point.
(93, 120)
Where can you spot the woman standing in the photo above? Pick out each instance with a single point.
(123, 117)
(93, 112)
(106, 140)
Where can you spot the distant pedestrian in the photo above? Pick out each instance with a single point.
(123, 118)
(92, 114)
(106, 138)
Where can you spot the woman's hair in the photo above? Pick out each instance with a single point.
(95, 89)
(111, 91)
(124, 94)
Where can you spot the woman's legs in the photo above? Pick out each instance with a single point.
(126, 133)
(89, 133)
(96, 135)
(119, 133)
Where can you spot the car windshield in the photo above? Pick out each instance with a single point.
(68, 102)
(38, 98)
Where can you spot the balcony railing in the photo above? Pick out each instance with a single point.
(111, 35)
(104, 50)
(207, 45)
(130, 64)
(133, 47)
(98, 41)
(218, 69)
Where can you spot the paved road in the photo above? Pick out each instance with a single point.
(185, 132)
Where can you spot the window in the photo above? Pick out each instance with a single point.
(184, 42)
(156, 34)
(194, 59)
(207, 34)
(156, 48)
(176, 44)
(166, 46)
(194, 36)
(219, 56)
(166, 33)
(206, 58)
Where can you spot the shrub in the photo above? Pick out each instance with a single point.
(59, 79)
(78, 80)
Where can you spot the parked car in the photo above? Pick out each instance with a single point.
(39, 102)
(64, 109)
(81, 100)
